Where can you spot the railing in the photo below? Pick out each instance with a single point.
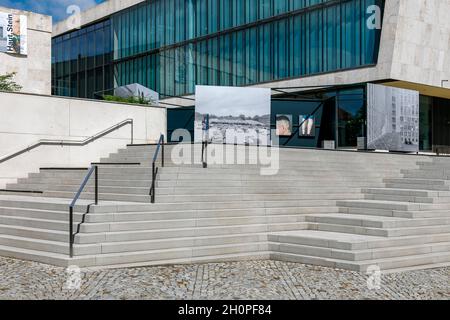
(204, 151)
(46, 142)
(94, 169)
(154, 168)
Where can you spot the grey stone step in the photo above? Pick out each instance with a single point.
(416, 199)
(286, 163)
(39, 183)
(35, 233)
(394, 213)
(360, 255)
(353, 242)
(206, 213)
(187, 242)
(392, 205)
(115, 259)
(136, 235)
(385, 232)
(385, 197)
(48, 246)
(41, 203)
(418, 181)
(109, 172)
(39, 214)
(222, 201)
(58, 225)
(188, 223)
(376, 221)
(187, 191)
(385, 265)
(406, 192)
(185, 255)
(426, 174)
(56, 259)
(431, 187)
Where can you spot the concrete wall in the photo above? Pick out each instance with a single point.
(33, 70)
(27, 118)
(422, 42)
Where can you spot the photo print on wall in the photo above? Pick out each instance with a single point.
(284, 125)
(235, 115)
(307, 125)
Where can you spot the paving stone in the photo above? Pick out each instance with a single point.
(232, 280)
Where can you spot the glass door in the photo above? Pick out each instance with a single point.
(351, 115)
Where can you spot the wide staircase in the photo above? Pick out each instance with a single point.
(334, 208)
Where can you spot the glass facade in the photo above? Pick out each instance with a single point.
(82, 61)
(172, 45)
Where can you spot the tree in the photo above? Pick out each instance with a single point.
(8, 84)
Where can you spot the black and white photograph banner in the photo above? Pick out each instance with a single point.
(392, 119)
(236, 115)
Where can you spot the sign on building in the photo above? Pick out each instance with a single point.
(13, 33)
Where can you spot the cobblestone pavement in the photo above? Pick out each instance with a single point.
(236, 280)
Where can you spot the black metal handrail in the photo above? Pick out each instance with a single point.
(154, 168)
(47, 142)
(75, 199)
(204, 150)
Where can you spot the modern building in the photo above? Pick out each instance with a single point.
(310, 52)
(33, 65)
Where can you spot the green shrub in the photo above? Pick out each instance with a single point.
(7, 83)
(132, 100)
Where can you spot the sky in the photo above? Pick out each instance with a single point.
(55, 8)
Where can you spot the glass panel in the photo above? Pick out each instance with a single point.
(425, 123)
(351, 117)
(308, 41)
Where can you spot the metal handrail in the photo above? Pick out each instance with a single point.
(47, 142)
(154, 168)
(75, 199)
(204, 150)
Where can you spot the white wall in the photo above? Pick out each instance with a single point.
(27, 118)
(422, 42)
(34, 69)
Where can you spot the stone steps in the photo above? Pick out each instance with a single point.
(359, 252)
(233, 211)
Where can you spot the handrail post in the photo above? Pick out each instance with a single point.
(96, 185)
(132, 131)
(204, 154)
(162, 151)
(153, 184)
(71, 231)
